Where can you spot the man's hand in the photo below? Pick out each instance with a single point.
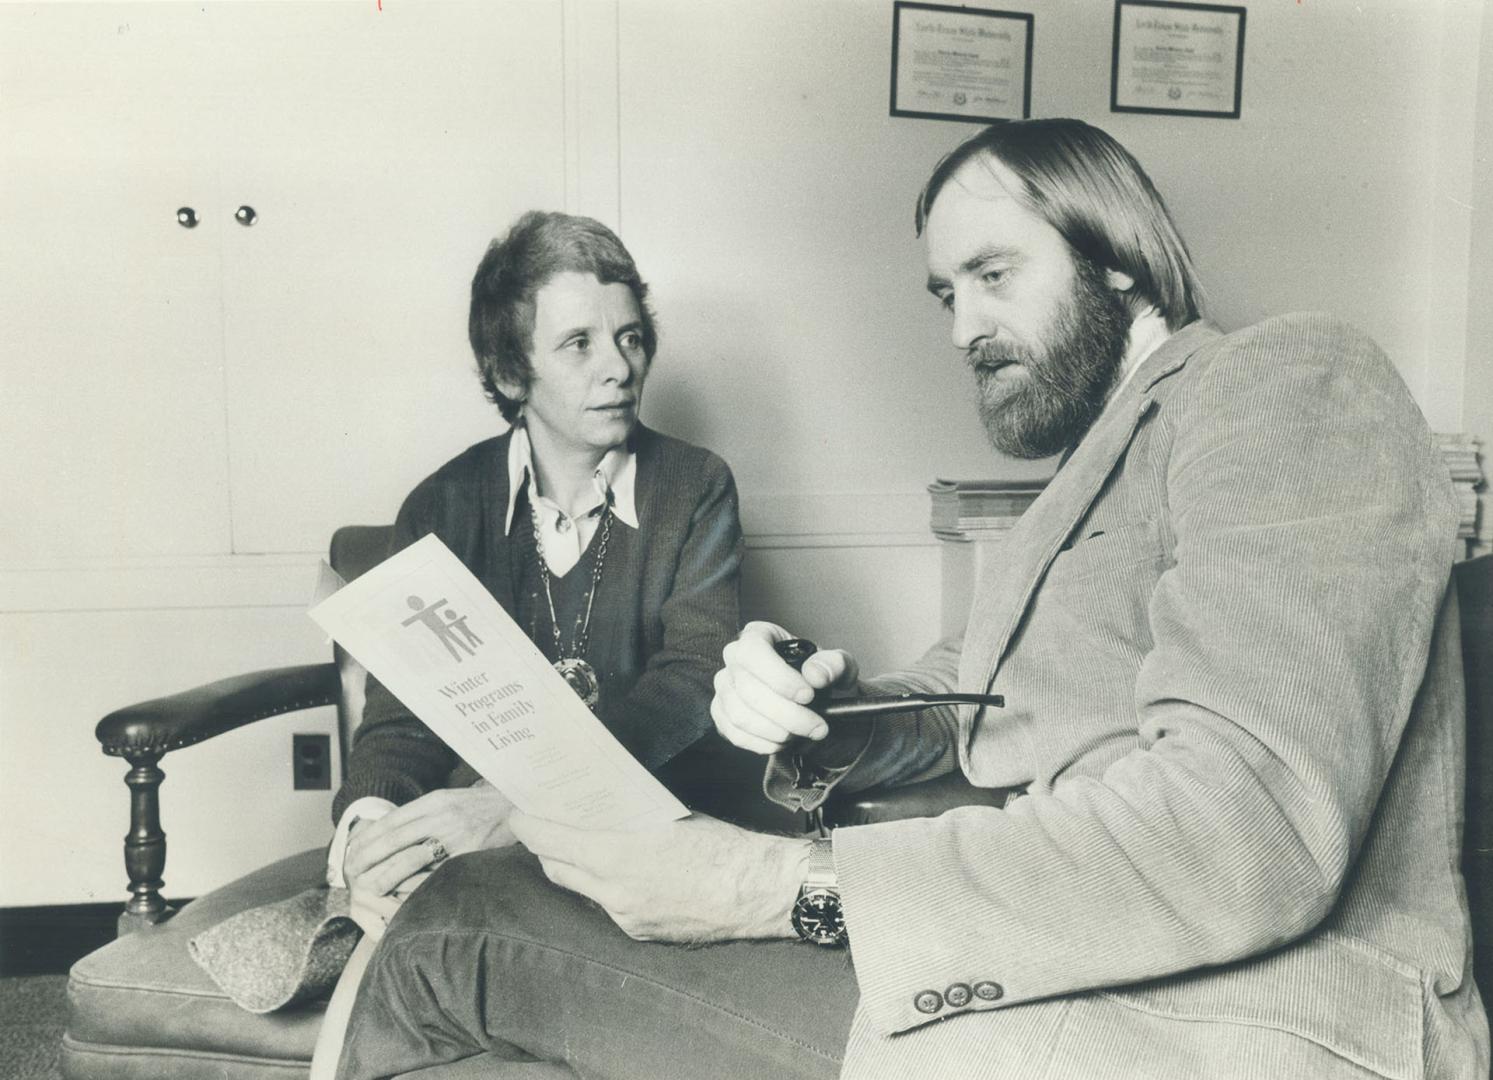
(760, 701)
(383, 854)
(694, 881)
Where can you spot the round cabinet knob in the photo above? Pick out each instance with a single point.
(186, 217)
(245, 216)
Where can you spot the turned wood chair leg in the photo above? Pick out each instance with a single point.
(144, 845)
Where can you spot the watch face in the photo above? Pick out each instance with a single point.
(817, 917)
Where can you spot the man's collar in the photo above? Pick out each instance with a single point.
(1150, 355)
(1173, 352)
(617, 474)
(1147, 333)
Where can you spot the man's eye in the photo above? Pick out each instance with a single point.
(993, 277)
(946, 301)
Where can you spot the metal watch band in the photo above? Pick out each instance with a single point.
(821, 872)
(817, 916)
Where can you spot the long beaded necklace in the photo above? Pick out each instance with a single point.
(571, 663)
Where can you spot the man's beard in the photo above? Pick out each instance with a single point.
(1068, 379)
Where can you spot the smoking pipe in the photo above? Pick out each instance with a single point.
(795, 651)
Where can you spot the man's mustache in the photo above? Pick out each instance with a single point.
(989, 355)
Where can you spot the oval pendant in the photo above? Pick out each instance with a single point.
(582, 679)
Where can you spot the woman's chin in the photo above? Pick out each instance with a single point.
(610, 427)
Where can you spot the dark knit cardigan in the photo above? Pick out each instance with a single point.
(666, 605)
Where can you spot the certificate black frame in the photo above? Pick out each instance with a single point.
(1114, 65)
(898, 6)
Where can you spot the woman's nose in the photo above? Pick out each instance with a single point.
(613, 364)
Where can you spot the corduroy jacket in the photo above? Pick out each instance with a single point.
(1233, 692)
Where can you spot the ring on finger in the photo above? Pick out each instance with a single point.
(436, 849)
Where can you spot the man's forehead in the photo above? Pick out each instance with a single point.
(981, 204)
(984, 176)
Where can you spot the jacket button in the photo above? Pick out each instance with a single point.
(957, 995)
(929, 1001)
(986, 990)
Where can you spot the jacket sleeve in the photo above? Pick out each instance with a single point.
(668, 708)
(1313, 532)
(394, 755)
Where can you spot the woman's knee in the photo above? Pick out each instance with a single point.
(479, 890)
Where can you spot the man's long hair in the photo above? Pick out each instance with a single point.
(540, 245)
(1091, 190)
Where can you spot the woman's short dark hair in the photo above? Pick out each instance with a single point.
(1091, 190)
(540, 245)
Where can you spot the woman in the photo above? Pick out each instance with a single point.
(616, 548)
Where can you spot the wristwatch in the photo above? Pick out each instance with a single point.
(816, 913)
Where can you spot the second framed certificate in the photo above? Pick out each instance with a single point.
(1178, 59)
(955, 63)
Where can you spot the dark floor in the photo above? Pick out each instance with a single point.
(33, 1009)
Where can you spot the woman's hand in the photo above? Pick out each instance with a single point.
(760, 701)
(385, 853)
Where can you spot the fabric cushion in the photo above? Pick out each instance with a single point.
(282, 954)
(140, 1008)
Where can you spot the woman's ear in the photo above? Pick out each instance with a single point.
(1118, 280)
(511, 388)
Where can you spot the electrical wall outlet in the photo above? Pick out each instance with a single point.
(311, 762)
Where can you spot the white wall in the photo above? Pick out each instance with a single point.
(189, 413)
(165, 504)
(1477, 381)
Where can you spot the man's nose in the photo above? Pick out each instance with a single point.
(971, 325)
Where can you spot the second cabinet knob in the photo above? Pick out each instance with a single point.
(245, 216)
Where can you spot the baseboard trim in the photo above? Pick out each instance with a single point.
(49, 939)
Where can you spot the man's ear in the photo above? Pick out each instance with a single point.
(1118, 280)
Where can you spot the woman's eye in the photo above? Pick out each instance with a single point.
(946, 301)
(580, 344)
(993, 277)
(631, 340)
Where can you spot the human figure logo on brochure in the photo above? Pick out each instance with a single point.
(445, 627)
(489, 692)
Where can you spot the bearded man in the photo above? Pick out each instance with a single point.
(1233, 731)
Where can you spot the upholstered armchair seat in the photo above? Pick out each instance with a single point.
(141, 1009)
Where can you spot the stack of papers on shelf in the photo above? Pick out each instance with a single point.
(1460, 454)
(979, 509)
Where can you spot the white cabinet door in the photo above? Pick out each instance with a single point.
(111, 344)
(381, 152)
(230, 389)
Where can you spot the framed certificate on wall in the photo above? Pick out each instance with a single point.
(1177, 59)
(955, 63)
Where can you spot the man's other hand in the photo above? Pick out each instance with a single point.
(384, 853)
(760, 702)
(692, 881)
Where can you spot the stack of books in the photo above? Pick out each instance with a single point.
(986, 509)
(1460, 454)
(979, 509)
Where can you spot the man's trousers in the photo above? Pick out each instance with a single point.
(489, 958)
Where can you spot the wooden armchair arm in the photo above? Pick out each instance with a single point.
(143, 733)
(169, 723)
(926, 799)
